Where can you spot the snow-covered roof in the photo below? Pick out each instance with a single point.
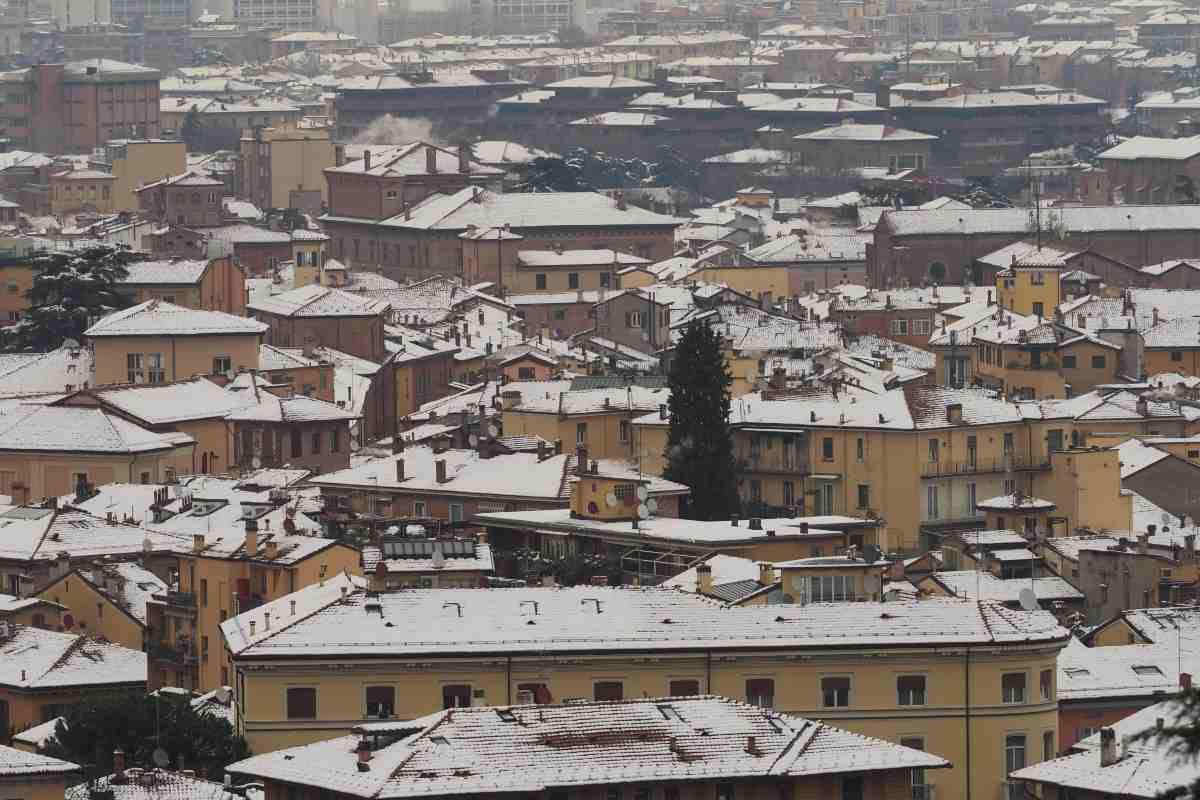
(977, 584)
(865, 133)
(35, 533)
(160, 318)
(1135, 455)
(535, 749)
(184, 272)
(428, 556)
(315, 300)
(33, 658)
(1155, 148)
(486, 209)
(1179, 333)
(295, 408)
(68, 368)
(42, 428)
(1015, 502)
(411, 159)
(153, 784)
(39, 736)
(162, 404)
(1144, 768)
(1079, 219)
(17, 765)
(497, 620)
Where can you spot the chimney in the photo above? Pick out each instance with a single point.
(464, 159)
(251, 538)
(662, 411)
(1185, 681)
(704, 582)
(366, 160)
(954, 413)
(378, 579)
(272, 549)
(440, 467)
(430, 159)
(766, 573)
(1143, 540)
(399, 470)
(118, 761)
(1189, 544)
(364, 756)
(397, 442)
(197, 542)
(581, 460)
(541, 451)
(1108, 747)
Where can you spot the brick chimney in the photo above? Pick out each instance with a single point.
(704, 580)
(430, 159)
(399, 470)
(366, 160)
(440, 467)
(251, 545)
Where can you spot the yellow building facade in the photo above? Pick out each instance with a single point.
(135, 163)
(161, 359)
(966, 692)
(93, 611)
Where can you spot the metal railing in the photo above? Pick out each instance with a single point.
(974, 466)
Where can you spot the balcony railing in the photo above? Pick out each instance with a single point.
(1015, 790)
(975, 466)
(176, 654)
(179, 599)
(922, 792)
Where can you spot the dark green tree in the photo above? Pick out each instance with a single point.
(1180, 735)
(574, 36)
(670, 168)
(70, 291)
(192, 130)
(137, 724)
(699, 446)
(550, 175)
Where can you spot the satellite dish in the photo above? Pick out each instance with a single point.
(652, 504)
(473, 440)
(642, 494)
(161, 759)
(1028, 599)
(610, 499)
(493, 431)
(642, 511)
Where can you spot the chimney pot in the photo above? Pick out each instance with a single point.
(399, 470)
(440, 467)
(704, 583)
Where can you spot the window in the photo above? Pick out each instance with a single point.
(204, 592)
(684, 688)
(456, 513)
(222, 365)
(931, 502)
(625, 431)
(971, 497)
(852, 787)
(831, 588)
(560, 314)
(789, 493)
(724, 791)
(154, 368)
(133, 366)
(1177, 355)
(605, 280)
(335, 440)
(381, 701)
(1068, 362)
(864, 496)
(756, 491)
(1046, 684)
(934, 450)
(1014, 753)
(608, 690)
(899, 327)
(760, 692)
(922, 327)
(301, 702)
(1008, 444)
(539, 281)
(835, 692)
(860, 449)
(572, 280)
(911, 690)
(1054, 439)
(456, 695)
(1098, 362)
(316, 442)
(297, 444)
(635, 319)
(581, 433)
(419, 508)
(1047, 745)
(1012, 687)
(1039, 310)
(920, 789)
(827, 449)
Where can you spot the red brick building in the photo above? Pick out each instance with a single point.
(78, 106)
(900, 319)
(191, 199)
(319, 316)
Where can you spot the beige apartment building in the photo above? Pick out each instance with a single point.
(136, 162)
(158, 342)
(282, 166)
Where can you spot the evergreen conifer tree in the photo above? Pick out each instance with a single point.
(699, 446)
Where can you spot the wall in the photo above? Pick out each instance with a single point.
(94, 613)
(49, 475)
(144, 162)
(183, 356)
(1086, 487)
(1163, 360)
(358, 336)
(874, 708)
(603, 438)
(17, 279)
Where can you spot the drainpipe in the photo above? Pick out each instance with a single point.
(967, 712)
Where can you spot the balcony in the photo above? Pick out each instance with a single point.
(922, 792)
(978, 466)
(183, 653)
(177, 599)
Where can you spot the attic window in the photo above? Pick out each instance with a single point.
(1148, 670)
(506, 715)
(670, 712)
